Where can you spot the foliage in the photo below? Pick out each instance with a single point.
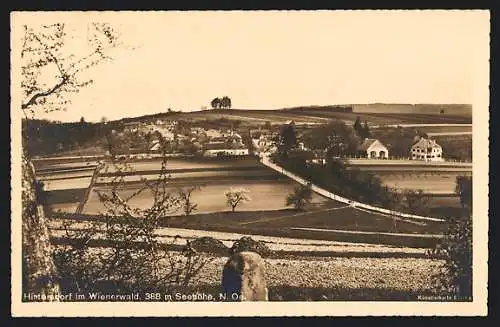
(357, 125)
(286, 140)
(456, 248)
(185, 196)
(416, 201)
(365, 131)
(300, 198)
(456, 147)
(49, 73)
(49, 76)
(336, 138)
(398, 140)
(135, 259)
(221, 103)
(352, 183)
(236, 196)
(463, 188)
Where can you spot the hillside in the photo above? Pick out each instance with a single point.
(374, 114)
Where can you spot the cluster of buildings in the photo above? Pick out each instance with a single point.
(211, 142)
(227, 142)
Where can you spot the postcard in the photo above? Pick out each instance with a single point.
(250, 163)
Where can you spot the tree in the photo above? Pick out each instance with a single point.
(365, 131)
(225, 102)
(50, 75)
(43, 53)
(82, 120)
(456, 249)
(104, 120)
(148, 137)
(463, 188)
(301, 197)
(136, 259)
(216, 103)
(185, 197)
(416, 201)
(236, 196)
(357, 125)
(286, 140)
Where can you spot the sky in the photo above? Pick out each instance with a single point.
(276, 59)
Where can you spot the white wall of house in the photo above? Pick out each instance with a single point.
(377, 151)
(433, 153)
(232, 152)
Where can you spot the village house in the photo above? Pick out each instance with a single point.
(373, 149)
(318, 157)
(224, 149)
(426, 149)
(155, 147)
(263, 144)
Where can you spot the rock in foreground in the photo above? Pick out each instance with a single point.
(243, 278)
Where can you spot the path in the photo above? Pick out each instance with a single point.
(367, 233)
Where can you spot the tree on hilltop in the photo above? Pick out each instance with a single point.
(216, 103)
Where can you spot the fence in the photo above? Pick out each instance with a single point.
(265, 160)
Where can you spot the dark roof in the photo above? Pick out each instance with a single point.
(426, 143)
(367, 143)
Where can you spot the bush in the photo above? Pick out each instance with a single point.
(121, 263)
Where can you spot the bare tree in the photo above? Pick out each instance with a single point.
(131, 257)
(50, 74)
(185, 197)
(236, 196)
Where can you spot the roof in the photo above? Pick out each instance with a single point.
(426, 143)
(367, 143)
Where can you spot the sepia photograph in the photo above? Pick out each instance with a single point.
(285, 162)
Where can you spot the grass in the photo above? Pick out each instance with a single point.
(232, 222)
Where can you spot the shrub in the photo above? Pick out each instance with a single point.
(134, 258)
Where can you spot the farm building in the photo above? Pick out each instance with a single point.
(426, 149)
(264, 144)
(224, 149)
(374, 149)
(318, 157)
(156, 146)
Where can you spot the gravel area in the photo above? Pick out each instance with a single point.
(402, 274)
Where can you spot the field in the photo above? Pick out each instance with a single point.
(430, 184)
(322, 115)
(266, 213)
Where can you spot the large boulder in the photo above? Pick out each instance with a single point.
(243, 278)
(247, 244)
(209, 245)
